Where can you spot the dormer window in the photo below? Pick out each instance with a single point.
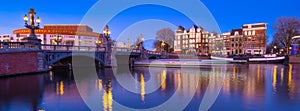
(236, 33)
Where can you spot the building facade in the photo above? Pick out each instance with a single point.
(71, 34)
(250, 39)
(6, 38)
(193, 40)
(255, 38)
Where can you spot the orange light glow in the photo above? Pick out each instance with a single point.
(274, 78)
(163, 80)
(142, 83)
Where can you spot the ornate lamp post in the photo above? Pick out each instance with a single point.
(107, 36)
(57, 39)
(32, 37)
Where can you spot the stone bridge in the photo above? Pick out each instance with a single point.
(23, 57)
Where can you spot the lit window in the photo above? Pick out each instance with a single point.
(245, 32)
(253, 32)
(249, 33)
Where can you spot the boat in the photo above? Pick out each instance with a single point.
(270, 58)
(178, 63)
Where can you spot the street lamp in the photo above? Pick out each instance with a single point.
(106, 35)
(57, 39)
(32, 37)
(106, 31)
(98, 42)
(275, 49)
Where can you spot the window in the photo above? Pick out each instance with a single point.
(249, 33)
(253, 32)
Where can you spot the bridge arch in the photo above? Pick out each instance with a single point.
(153, 57)
(53, 58)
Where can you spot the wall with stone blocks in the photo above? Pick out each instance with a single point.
(21, 62)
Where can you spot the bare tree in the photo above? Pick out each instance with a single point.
(286, 28)
(167, 35)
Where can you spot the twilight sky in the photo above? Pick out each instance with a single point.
(229, 14)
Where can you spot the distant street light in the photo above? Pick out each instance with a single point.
(32, 37)
(275, 49)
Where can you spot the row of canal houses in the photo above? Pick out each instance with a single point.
(249, 39)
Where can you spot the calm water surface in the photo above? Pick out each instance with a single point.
(230, 87)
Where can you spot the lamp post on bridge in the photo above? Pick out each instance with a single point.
(32, 37)
(98, 43)
(106, 33)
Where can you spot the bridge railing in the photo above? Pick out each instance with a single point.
(71, 48)
(18, 45)
(124, 49)
(153, 52)
(28, 45)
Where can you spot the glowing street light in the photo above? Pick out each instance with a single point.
(32, 37)
(98, 42)
(275, 49)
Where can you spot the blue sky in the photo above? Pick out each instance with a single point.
(229, 14)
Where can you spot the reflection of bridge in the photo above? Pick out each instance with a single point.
(48, 55)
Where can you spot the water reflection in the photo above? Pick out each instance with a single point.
(107, 97)
(244, 87)
(142, 87)
(60, 88)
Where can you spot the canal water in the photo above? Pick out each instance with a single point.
(216, 88)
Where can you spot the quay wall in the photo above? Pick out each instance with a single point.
(15, 63)
(294, 59)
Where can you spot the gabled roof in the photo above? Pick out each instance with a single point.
(240, 31)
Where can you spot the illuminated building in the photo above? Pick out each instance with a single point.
(6, 38)
(72, 34)
(250, 39)
(254, 38)
(194, 40)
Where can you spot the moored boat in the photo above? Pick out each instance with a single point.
(253, 59)
(179, 63)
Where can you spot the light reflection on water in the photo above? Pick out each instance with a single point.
(244, 87)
